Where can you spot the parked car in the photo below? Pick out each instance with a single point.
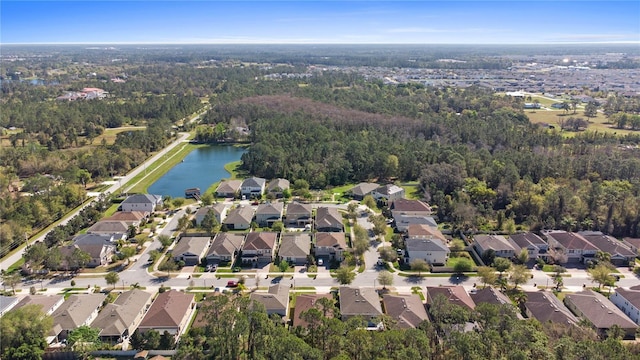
(232, 283)
(237, 269)
(320, 262)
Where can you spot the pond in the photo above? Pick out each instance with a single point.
(201, 168)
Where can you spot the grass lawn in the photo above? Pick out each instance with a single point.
(412, 190)
(340, 189)
(274, 268)
(598, 123)
(109, 135)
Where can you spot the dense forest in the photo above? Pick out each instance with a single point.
(234, 328)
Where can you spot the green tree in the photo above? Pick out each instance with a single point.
(83, 340)
(345, 275)
(165, 240)
(487, 274)
(601, 275)
(523, 256)
(184, 223)
(78, 259)
(207, 199)
(127, 252)
(419, 265)
(167, 341)
(501, 265)
(369, 202)
(168, 266)
(112, 278)
(283, 266)
(385, 279)
(12, 279)
(209, 223)
(463, 265)
(83, 177)
(23, 333)
(178, 202)
(519, 274)
(277, 226)
(388, 254)
(352, 211)
(379, 225)
(591, 109)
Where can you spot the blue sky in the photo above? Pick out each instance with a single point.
(399, 22)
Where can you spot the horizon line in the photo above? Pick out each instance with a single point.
(623, 42)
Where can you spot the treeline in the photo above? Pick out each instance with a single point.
(234, 328)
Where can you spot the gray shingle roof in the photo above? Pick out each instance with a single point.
(226, 244)
(495, 242)
(363, 189)
(191, 245)
(596, 308)
(433, 244)
(276, 300)
(115, 318)
(546, 307)
(296, 245)
(142, 199)
(270, 209)
(76, 310)
(359, 301)
(242, 214)
(229, 186)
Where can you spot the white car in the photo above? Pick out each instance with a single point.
(320, 262)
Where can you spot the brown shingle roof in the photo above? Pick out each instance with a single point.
(260, 241)
(167, 310)
(226, 244)
(408, 310)
(296, 208)
(455, 294)
(46, 302)
(490, 295)
(631, 295)
(571, 240)
(115, 318)
(410, 205)
(242, 214)
(128, 216)
(609, 244)
(275, 301)
(333, 239)
(229, 186)
(328, 217)
(425, 231)
(76, 310)
(305, 302)
(295, 245)
(495, 242)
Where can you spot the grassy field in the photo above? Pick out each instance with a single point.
(109, 135)
(598, 123)
(412, 190)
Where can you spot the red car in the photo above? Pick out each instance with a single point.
(232, 283)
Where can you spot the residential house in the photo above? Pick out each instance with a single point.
(48, 303)
(305, 302)
(225, 247)
(545, 307)
(7, 303)
(76, 311)
(239, 218)
(454, 294)
(145, 203)
(107, 227)
(632, 243)
(268, 213)
(120, 319)
(569, 247)
(536, 247)
(328, 220)
(422, 231)
(299, 214)
(501, 246)
(276, 187)
(621, 254)
(276, 301)
(171, 312)
(259, 247)
(228, 188)
(409, 207)
(388, 193)
(628, 301)
(601, 313)
(191, 249)
(331, 244)
(253, 187)
(402, 221)
(489, 295)
(295, 248)
(407, 310)
(362, 302)
(431, 250)
(100, 247)
(361, 190)
(130, 217)
(219, 211)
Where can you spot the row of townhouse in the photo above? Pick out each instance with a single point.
(295, 215)
(259, 247)
(133, 309)
(253, 187)
(562, 246)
